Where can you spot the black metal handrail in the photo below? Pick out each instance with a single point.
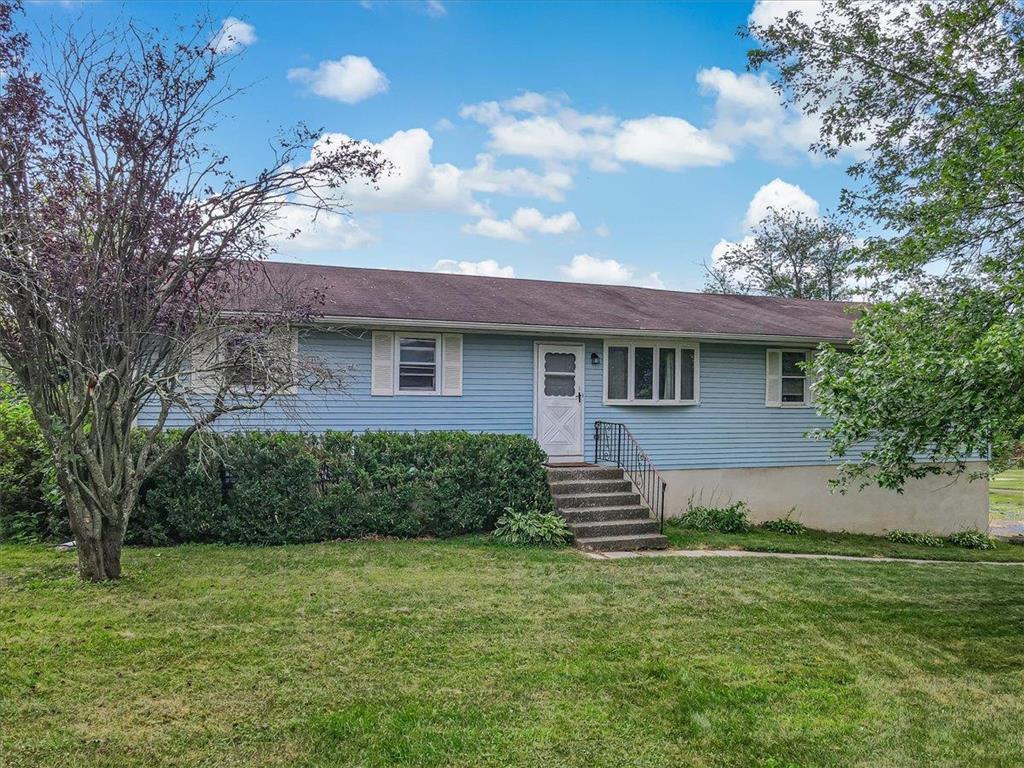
(613, 442)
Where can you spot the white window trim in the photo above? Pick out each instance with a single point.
(657, 345)
(214, 379)
(438, 367)
(808, 401)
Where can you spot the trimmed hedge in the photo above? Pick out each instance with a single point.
(280, 488)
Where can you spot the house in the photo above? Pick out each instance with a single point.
(709, 389)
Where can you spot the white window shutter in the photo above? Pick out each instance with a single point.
(382, 363)
(451, 376)
(204, 365)
(286, 342)
(812, 377)
(773, 379)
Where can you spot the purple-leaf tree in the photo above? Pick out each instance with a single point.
(130, 256)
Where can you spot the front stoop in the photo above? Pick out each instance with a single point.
(602, 510)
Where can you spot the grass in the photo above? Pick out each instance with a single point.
(1006, 495)
(462, 653)
(1011, 480)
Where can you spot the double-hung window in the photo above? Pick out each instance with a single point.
(417, 364)
(787, 382)
(246, 361)
(645, 373)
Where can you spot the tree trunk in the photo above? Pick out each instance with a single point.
(99, 551)
(100, 559)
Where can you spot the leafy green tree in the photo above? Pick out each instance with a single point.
(788, 254)
(930, 97)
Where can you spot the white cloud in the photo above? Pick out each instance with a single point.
(601, 230)
(766, 12)
(436, 8)
(492, 112)
(485, 177)
(444, 124)
(747, 110)
(295, 231)
(233, 35)
(416, 182)
(532, 220)
(487, 268)
(496, 229)
(350, 79)
(588, 269)
(669, 143)
(540, 136)
(524, 221)
(887, 12)
(779, 195)
(739, 91)
(543, 127)
(531, 101)
(485, 113)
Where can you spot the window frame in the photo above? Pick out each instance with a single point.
(285, 335)
(808, 401)
(438, 366)
(656, 345)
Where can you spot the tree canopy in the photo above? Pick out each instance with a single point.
(930, 97)
(788, 254)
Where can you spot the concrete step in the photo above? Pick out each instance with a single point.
(570, 487)
(598, 528)
(585, 500)
(593, 472)
(623, 543)
(596, 514)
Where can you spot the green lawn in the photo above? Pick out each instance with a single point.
(461, 653)
(824, 542)
(1006, 495)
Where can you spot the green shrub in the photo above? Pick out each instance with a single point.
(916, 539)
(276, 488)
(786, 525)
(531, 528)
(29, 504)
(731, 519)
(971, 539)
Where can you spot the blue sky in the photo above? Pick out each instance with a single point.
(602, 142)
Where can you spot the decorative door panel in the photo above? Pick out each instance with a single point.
(559, 393)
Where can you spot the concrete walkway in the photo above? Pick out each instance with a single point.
(779, 555)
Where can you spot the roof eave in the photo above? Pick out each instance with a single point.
(527, 328)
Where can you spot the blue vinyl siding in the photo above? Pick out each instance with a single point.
(497, 381)
(730, 427)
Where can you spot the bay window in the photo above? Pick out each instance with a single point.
(651, 373)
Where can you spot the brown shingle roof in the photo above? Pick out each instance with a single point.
(428, 296)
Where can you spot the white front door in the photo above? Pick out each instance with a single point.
(559, 397)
